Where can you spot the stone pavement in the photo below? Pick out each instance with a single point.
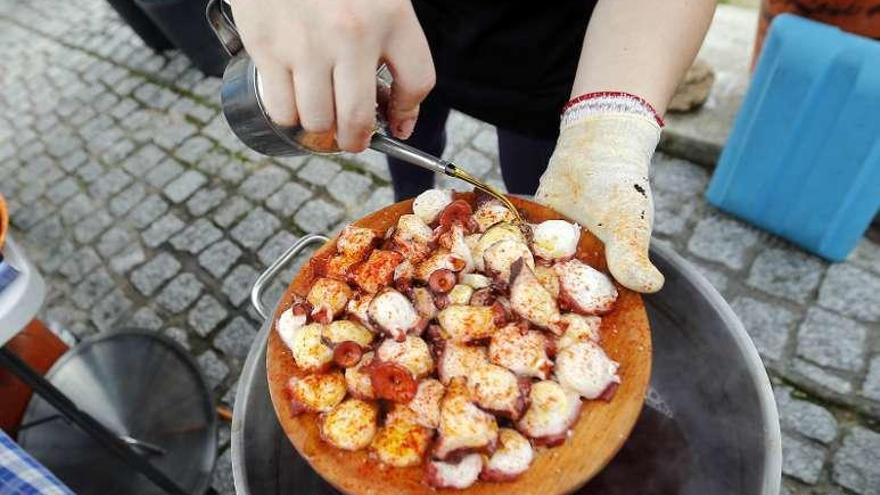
(141, 209)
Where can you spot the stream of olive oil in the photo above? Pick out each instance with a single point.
(458, 173)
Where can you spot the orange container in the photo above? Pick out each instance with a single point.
(854, 16)
(4, 220)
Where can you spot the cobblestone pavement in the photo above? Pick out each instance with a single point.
(141, 209)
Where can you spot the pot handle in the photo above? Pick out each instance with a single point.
(266, 277)
(220, 19)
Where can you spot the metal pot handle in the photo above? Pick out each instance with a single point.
(266, 277)
(220, 18)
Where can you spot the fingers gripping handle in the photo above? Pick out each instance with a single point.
(221, 21)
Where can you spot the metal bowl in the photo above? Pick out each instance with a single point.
(709, 425)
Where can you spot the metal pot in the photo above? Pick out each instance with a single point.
(710, 423)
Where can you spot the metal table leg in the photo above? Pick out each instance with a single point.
(90, 425)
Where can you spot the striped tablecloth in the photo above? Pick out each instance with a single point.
(21, 474)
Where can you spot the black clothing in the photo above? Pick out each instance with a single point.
(508, 62)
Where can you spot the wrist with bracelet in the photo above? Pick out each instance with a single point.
(602, 102)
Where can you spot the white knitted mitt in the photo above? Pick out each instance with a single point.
(598, 176)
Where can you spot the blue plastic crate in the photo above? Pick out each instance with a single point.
(803, 158)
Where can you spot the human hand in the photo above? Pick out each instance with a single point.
(317, 63)
(598, 176)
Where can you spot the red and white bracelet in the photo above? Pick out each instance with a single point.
(600, 102)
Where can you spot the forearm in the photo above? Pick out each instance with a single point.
(641, 47)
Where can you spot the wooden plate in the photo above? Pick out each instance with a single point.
(597, 436)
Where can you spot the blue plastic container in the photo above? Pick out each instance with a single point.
(803, 158)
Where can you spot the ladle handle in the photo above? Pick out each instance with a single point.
(397, 149)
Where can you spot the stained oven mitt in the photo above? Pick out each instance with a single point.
(598, 176)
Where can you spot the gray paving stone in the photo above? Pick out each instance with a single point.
(808, 419)
(866, 255)
(219, 163)
(317, 216)
(349, 188)
(162, 229)
(180, 293)
(90, 172)
(76, 208)
(93, 287)
(487, 142)
(275, 247)
(195, 110)
(146, 318)
(205, 200)
(237, 285)
(90, 227)
(672, 213)
(124, 108)
(47, 233)
(830, 340)
(768, 325)
(823, 377)
(147, 211)
(80, 264)
(286, 200)
(178, 335)
(460, 129)
(374, 162)
(236, 337)
(218, 258)
(62, 191)
(144, 160)
(31, 191)
(473, 161)
(255, 228)
(206, 315)
(214, 369)
(871, 387)
(262, 183)
(123, 202)
(723, 240)
(856, 463)
(380, 197)
(196, 236)
(231, 211)
(174, 131)
(802, 460)
(851, 291)
(113, 241)
(129, 258)
(184, 186)
(193, 148)
(117, 152)
(154, 96)
(164, 173)
(786, 272)
(56, 256)
(152, 274)
(319, 171)
(109, 310)
(73, 161)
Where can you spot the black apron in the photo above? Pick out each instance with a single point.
(508, 62)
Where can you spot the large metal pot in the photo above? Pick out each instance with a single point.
(710, 423)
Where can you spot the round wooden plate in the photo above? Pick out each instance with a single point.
(599, 433)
